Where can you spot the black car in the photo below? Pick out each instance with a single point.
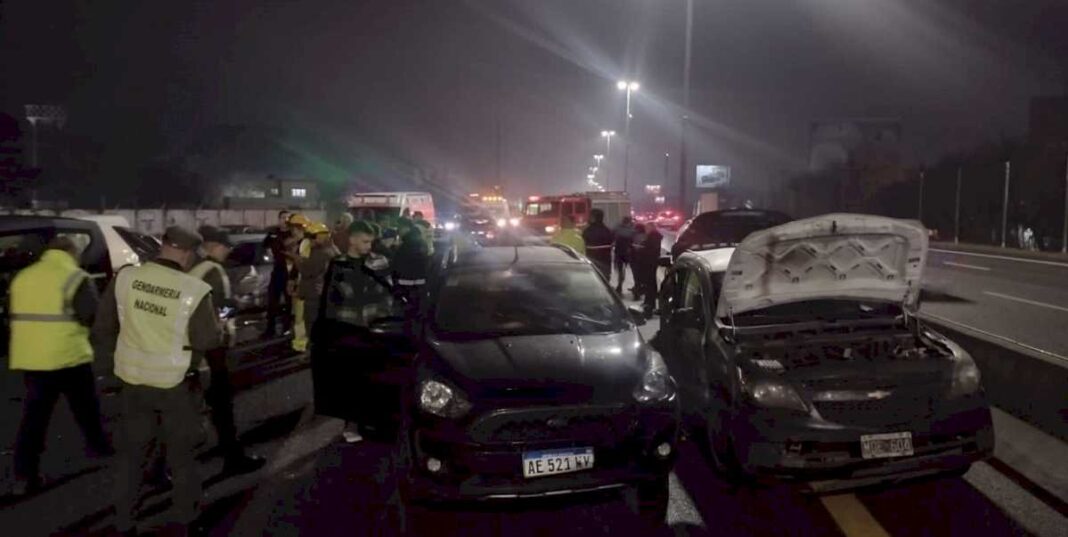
(799, 357)
(528, 378)
(722, 229)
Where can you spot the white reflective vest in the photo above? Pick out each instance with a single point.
(155, 304)
(202, 269)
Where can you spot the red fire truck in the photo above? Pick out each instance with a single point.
(542, 215)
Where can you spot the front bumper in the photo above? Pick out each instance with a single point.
(827, 456)
(478, 468)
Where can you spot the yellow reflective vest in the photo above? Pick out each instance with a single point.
(205, 267)
(569, 237)
(155, 304)
(45, 335)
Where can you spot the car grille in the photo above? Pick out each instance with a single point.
(600, 424)
(894, 410)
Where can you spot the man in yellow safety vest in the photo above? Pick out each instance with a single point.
(153, 317)
(52, 305)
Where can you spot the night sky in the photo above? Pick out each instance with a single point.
(358, 87)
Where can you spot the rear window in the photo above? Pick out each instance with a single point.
(247, 254)
(714, 230)
(143, 245)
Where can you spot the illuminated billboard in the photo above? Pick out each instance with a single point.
(713, 176)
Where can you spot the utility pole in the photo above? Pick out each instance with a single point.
(667, 164)
(1064, 230)
(956, 210)
(685, 107)
(497, 175)
(923, 176)
(1005, 202)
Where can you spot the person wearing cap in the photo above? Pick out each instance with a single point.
(220, 393)
(155, 319)
(313, 272)
(52, 304)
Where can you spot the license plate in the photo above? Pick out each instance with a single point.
(880, 446)
(557, 461)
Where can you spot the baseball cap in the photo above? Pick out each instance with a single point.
(215, 234)
(182, 238)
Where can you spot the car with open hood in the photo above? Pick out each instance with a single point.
(800, 356)
(528, 378)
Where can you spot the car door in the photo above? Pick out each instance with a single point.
(692, 318)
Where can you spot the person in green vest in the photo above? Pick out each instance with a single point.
(52, 305)
(158, 322)
(220, 393)
(568, 236)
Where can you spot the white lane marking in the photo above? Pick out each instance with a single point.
(1027, 301)
(1005, 257)
(1000, 337)
(962, 265)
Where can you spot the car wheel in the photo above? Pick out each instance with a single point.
(649, 500)
(719, 449)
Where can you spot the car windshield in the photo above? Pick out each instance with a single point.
(526, 300)
(715, 229)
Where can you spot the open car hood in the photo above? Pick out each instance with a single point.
(835, 256)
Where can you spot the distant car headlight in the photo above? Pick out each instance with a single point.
(442, 400)
(775, 394)
(550, 229)
(966, 377)
(514, 222)
(502, 222)
(450, 226)
(656, 384)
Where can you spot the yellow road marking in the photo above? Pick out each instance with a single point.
(852, 517)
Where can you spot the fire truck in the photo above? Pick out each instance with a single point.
(543, 215)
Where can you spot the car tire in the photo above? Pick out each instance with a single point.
(719, 449)
(649, 500)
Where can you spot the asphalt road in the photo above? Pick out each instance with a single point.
(1023, 300)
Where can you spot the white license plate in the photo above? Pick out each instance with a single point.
(880, 446)
(557, 461)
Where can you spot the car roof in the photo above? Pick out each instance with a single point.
(15, 222)
(715, 259)
(503, 256)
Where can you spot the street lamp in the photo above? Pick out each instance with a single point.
(607, 135)
(628, 86)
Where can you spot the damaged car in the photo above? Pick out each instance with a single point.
(799, 356)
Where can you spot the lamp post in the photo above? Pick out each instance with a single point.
(629, 87)
(607, 135)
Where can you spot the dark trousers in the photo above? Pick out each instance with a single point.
(279, 303)
(43, 389)
(604, 266)
(220, 397)
(311, 313)
(167, 418)
(621, 270)
(648, 286)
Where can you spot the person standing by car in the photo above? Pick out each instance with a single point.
(340, 233)
(568, 236)
(277, 299)
(357, 291)
(598, 239)
(220, 393)
(636, 266)
(410, 265)
(649, 258)
(313, 272)
(52, 305)
(624, 247)
(153, 318)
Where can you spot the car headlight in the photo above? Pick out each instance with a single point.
(550, 229)
(502, 222)
(966, 377)
(450, 226)
(657, 384)
(514, 222)
(442, 400)
(774, 394)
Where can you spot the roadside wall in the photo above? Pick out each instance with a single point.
(154, 221)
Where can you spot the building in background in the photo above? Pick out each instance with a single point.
(269, 193)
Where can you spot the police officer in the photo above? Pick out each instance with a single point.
(154, 317)
(220, 393)
(358, 291)
(52, 306)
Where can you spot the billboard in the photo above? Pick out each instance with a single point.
(713, 176)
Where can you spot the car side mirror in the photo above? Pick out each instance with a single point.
(388, 326)
(687, 318)
(637, 315)
(664, 261)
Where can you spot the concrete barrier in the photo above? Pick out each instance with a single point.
(1030, 387)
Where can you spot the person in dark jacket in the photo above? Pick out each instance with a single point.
(410, 265)
(636, 267)
(599, 243)
(649, 259)
(624, 246)
(278, 303)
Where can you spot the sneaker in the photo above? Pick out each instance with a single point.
(351, 436)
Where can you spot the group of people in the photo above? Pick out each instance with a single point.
(156, 322)
(628, 245)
